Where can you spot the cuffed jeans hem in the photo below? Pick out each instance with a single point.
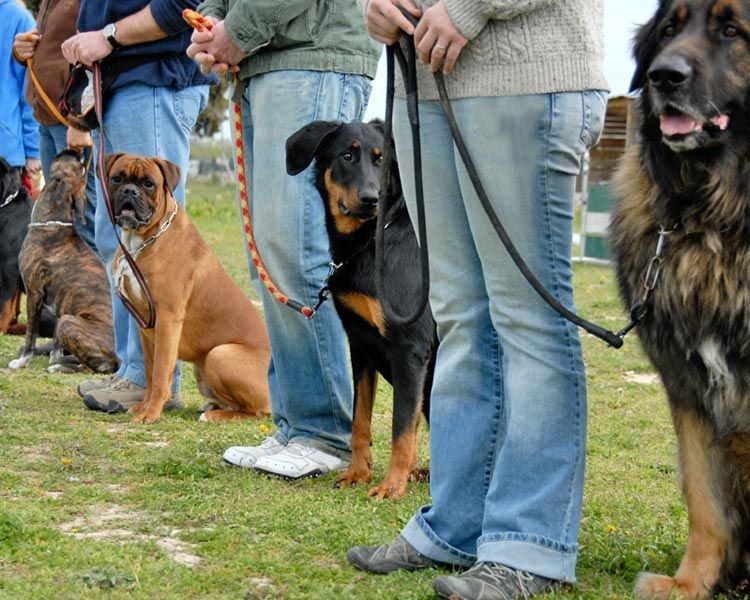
(530, 556)
(320, 445)
(138, 377)
(418, 533)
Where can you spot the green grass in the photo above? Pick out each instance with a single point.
(91, 504)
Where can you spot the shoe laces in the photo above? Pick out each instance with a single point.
(122, 385)
(498, 574)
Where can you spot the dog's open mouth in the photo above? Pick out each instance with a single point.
(127, 217)
(673, 122)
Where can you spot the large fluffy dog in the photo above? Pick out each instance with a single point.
(63, 276)
(348, 164)
(202, 315)
(689, 174)
(15, 213)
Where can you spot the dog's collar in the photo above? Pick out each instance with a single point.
(50, 224)
(151, 239)
(10, 198)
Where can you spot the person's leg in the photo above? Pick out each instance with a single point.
(311, 395)
(149, 121)
(52, 140)
(467, 386)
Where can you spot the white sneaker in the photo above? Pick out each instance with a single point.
(245, 456)
(298, 461)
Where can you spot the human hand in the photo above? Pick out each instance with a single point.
(213, 50)
(33, 165)
(437, 39)
(384, 21)
(78, 139)
(87, 48)
(25, 43)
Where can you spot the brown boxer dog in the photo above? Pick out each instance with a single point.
(202, 316)
(61, 273)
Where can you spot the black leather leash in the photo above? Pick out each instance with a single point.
(410, 78)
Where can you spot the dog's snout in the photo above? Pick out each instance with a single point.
(129, 190)
(669, 72)
(368, 199)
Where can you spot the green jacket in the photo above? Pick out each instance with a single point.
(314, 35)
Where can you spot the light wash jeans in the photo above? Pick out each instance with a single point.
(150, 121)
(309, 378)
(508, 406)
(52, 140)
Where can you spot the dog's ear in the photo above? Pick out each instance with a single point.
(170, 171)
(304, 145)
(79, 202)
(110, 159)
(645, 45)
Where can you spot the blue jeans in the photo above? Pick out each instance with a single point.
(52, 139)
(149, 121)
(310, 383)
(508, 407)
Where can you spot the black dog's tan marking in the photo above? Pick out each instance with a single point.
(690, 171)
(348, 162)
(62, 273)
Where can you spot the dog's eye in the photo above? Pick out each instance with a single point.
(730, 31)
(669, 31)
(116, 180)
(148, 184)
(347, 156)
(378, 159)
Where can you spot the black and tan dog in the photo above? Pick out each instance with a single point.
(348, 161)
(63, 275)
(15, 214)
(689, 174)
(202, 316)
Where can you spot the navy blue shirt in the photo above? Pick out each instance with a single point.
(164, 62)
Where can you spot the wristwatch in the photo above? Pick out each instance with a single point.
(109, 33)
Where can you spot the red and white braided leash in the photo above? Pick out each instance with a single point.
(201, 23)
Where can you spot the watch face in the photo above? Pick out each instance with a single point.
(109, 30)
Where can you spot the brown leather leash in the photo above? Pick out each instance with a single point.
(143, 322)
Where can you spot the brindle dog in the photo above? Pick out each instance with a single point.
(62, 273)
(689, 174)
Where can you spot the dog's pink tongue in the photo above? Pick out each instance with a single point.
(677, 125)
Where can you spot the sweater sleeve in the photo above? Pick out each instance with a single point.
(168, 14)
(29, 126)
(213, 8)
(252, 24)
(471, 16)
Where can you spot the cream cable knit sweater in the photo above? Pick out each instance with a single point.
(521, 47)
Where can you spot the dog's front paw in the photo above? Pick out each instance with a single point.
(137, 408)
(650, 586)
(354, 475)
(393, 486)
(147, 417)
(23, 360)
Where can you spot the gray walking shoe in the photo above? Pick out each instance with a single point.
(398, 555)
(491, 581)
(120, 395)
(89, 385)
